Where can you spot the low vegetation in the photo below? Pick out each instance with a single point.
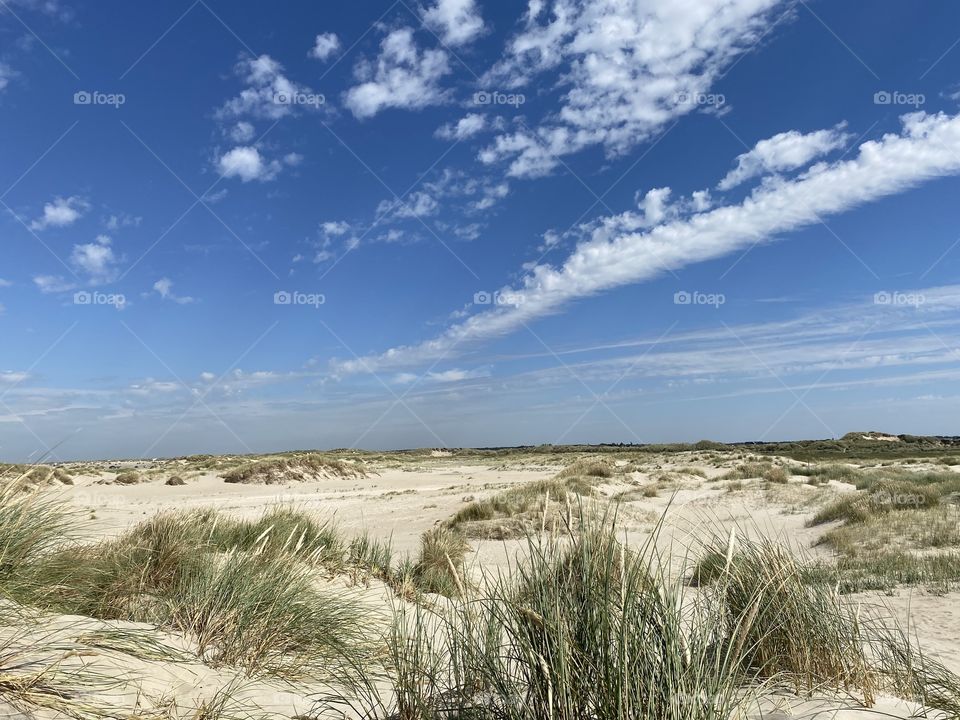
(763, 470)
(584, 627)
(439, 569)
(295, 468)
(243, 591)
(899, 527)
(515, 512)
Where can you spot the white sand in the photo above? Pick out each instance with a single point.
(401, 503)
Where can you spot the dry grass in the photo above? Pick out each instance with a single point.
(519, 510)
(763, 470)
(296, 468)
(587, 468)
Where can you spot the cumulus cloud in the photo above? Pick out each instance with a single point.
(403, 76)
(324, 46)
(335, 227)
(627, 68)
(246, 163)
(456, 21)
(492, 194)
(60, 213)
(96, 260)
(269, 93)
(465, 127)
(783, 152)
(620, 252)
(242, 132)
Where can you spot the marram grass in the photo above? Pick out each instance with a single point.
(586, 627)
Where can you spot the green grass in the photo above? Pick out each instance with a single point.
(439, 568)
(937, 572)
(883, 497)
(896, 530)
(584, 627)
(825, 473)
(31, 526)
(245, 591)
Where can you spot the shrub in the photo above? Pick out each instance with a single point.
(128, 478)
(588, 468)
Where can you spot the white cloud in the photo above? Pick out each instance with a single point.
(292, 159)
(628, 69)
(336, 228)
(617, 253)
(269, 93)
(60, 213)
(417, 204)
(7, 73)
(453, 375)
(457, 21)
(96, 259)
(324, 46)
(246, 163)
(52, 284)
(491, 195)
(164, 287)
(783, 152)
(402, 77)
(5, 283)
(242, 132)
(466, 127)
(10, 377)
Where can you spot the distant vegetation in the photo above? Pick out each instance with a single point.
(310, 466)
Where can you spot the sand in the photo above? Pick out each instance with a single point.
(398, 502)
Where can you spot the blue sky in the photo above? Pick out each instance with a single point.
(228, 228)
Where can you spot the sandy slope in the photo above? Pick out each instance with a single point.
(401, 503)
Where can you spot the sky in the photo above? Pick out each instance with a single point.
(232, 227)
